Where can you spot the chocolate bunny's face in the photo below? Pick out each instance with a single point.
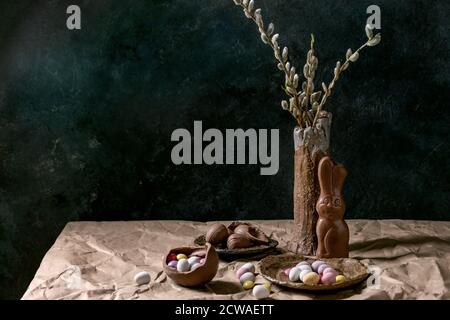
(331, 204)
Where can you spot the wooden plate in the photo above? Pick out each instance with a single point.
(272, 268)
(232, 254)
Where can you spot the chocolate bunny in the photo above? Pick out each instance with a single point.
(332, 231)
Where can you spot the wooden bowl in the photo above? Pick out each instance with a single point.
(199, 276)
(232, 254)
(272, 268)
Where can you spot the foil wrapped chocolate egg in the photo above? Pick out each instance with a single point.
(238, 241)
(218, 233)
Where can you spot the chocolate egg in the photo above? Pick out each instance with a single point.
(216, 234)
(311, 278)
(250, 231)
(238, 241)
(201, 253)
(198, 275)
(173, 264)
(242, 229)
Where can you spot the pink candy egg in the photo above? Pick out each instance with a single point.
(322, 267)
(241, 271)
(330, 270)
(286, 271)
(202, 261)
(328, 278)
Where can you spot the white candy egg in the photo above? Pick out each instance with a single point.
(142, 278)
(303, 273)
(183, 265)
(260, 292)
(193, 260)
(248, 276)
(304, 267)
(294, 274)
(195, 266)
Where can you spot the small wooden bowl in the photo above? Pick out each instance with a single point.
(272, 268)
(199, 276)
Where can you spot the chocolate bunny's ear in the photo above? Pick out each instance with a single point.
(339, 175)
(326, 175)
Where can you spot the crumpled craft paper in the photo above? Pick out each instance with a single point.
(98, 260)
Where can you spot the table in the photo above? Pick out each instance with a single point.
(98, 260)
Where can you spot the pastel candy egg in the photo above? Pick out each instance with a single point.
(249, 266)
(202, 261)
(328, 278)
(303, 263)
(311, 278)
(248, 276)
(267, 285)
(260, 292)
(294, 274)
(241, 271)
(193, 260)
(173, 264)
(330, 270)
(304, 267)
(195, 266)
(142, 278)
(248, 285)
(340, 278)
(286, 271)
(322, 267)
(181, 256)
(303, 273)
(316, 264)
(183, 265)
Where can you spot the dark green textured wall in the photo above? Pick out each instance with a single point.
(86, 116)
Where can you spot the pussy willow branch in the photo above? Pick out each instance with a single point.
(299, 101)
(291, 78)
(351, 57)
